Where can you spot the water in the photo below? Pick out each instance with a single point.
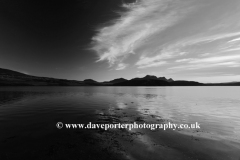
(34, 111)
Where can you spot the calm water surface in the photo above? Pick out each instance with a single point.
(34, 111)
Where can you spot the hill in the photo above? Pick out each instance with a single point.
(13, 78)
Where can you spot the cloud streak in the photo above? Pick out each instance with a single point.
(169, 36)
(211, 62)
(156, 64)
(143, 19)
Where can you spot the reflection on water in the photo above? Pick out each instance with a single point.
(34, 109)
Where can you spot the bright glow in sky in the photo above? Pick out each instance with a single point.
(183, 39)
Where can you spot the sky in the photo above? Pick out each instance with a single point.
(91, 39)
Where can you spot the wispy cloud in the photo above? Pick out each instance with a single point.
(170, 36)
(202, 66)
(234, 40)
(143, 20)
(217, 59)
(147, 61)
(212, 62)
(121, 66)
(156, 64)
(180, 48)
(184, 60)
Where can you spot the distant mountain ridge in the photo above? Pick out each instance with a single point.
(14, 78)
(152, 77)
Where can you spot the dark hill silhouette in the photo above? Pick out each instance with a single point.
(91, 82)
(223, 84)
(152, 77)
(118, 80)
(185, 83)
(13, 78)
(149, 77)
(148, 80)
(112, 82)
(10, 72)
(143, 82)
(151, 80)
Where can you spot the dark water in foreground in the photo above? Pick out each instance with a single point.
(34, 111)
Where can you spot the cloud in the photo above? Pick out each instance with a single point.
(204, 54)
(170, 36)
(216, 59)
(156, 64)
(121, 66)
(179, 48)
(184, 60)
(214, 37)
(232, 49)
(150, 60)
(212, 62)
(234, 40)
(143, 19)
(203, 66)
